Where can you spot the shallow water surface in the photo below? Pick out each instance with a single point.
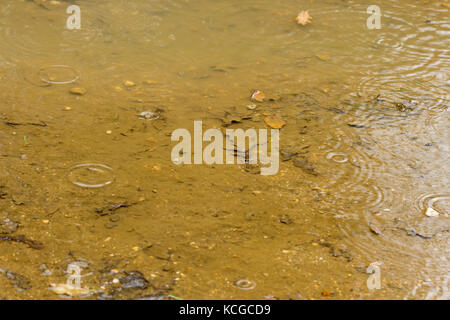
(86, 174)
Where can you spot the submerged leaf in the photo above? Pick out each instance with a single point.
(275, 122)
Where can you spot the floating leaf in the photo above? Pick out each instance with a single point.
(303, 18)
(258, 96)
(430, 212)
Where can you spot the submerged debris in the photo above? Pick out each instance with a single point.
(23, 239)
(14, 123)
(285, 219)
(134, 279)
(3, 194)
(402, 107)
(111, 208)
(48, 5)
(375, 228)
(338, 250)
(426, 229)
(231, 118)
(8, 226)
(18, 280)
(358, 126)
(287, 155)
(251, 168)
(305, 165)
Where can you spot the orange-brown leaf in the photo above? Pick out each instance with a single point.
(303, 18)
(275, 122)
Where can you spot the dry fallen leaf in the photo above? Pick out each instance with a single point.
(258, 96)
(326, 293)
(430, 212)
(275, 122)
(303, 18)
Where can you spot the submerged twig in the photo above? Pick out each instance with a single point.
(23, 239)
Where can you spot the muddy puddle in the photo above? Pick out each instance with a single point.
(87, 182)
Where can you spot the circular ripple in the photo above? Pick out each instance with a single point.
(413, 55)
(148, 116)
(59, 74)
(91, 175)
(26, 30)
(352, 181)
(438, 121)
(439, 202)
(245, 284)
(338, 157)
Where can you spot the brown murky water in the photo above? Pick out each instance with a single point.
(366, 113)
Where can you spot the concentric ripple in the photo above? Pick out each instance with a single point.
(91, 175)
(413, 56)
(350, 176)
(59, 74)
(27, 32)
(245, 284)
(439, 202)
